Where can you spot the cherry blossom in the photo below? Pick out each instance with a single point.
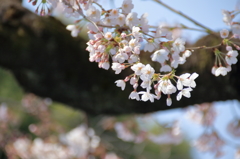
(121, 83)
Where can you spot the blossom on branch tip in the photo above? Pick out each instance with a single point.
(121, 19)
(132, 19)
(147, 96)
(147, 72)
(178, 45)
(121, 83)
(137, 68)
(136, 33)
(160, 56)
(227, 18)
(117, 67)
(192, 80)
(224, 33)
(127, 6)
(221, 71)
(183, 80)
(231, 57)
(184, 92)
(93, 14)
(108, 35)
(134, 95)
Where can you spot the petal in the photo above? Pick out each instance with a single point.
(186, 93)
(179, 96)
(179, 85)
(194, 76)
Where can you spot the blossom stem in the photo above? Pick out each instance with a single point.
(99, 5)
(204, 47)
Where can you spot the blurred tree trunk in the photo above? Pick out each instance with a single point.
(48, 62)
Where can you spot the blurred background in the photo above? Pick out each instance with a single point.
(38, 127)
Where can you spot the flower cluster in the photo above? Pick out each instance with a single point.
(223, 61)
(118, 36)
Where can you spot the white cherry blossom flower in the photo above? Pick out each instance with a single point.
(185, 92)
(137, 68)
(182, 60)
(166, 87)
(108, 35)
(178, 45)
(109, 21)
(147, 96)
(93, 14)
(113, 51)
(160, 56)
(224, 33)
(133, 43)
(117, 67)
(132, 19)
(147, 72)
(187, 53)
(136, 50)
(133, 80)
(229, 48)
(121, 19)
(121, 57)
(213, 70)
(121, 83)
(227, 19)
(101, 48)
(192, 78)
(146, 84)
(127, 49)
(231, 57)
(221, 71)
(183, 80)
(105, 65)
(114, 13)
(136, 33)
(133, 58)
(134, 95)
(127, 6)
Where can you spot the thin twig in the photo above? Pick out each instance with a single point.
(208, 30)
(204, 47)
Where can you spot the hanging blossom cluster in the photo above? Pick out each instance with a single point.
(224, 61)
(118, 35)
